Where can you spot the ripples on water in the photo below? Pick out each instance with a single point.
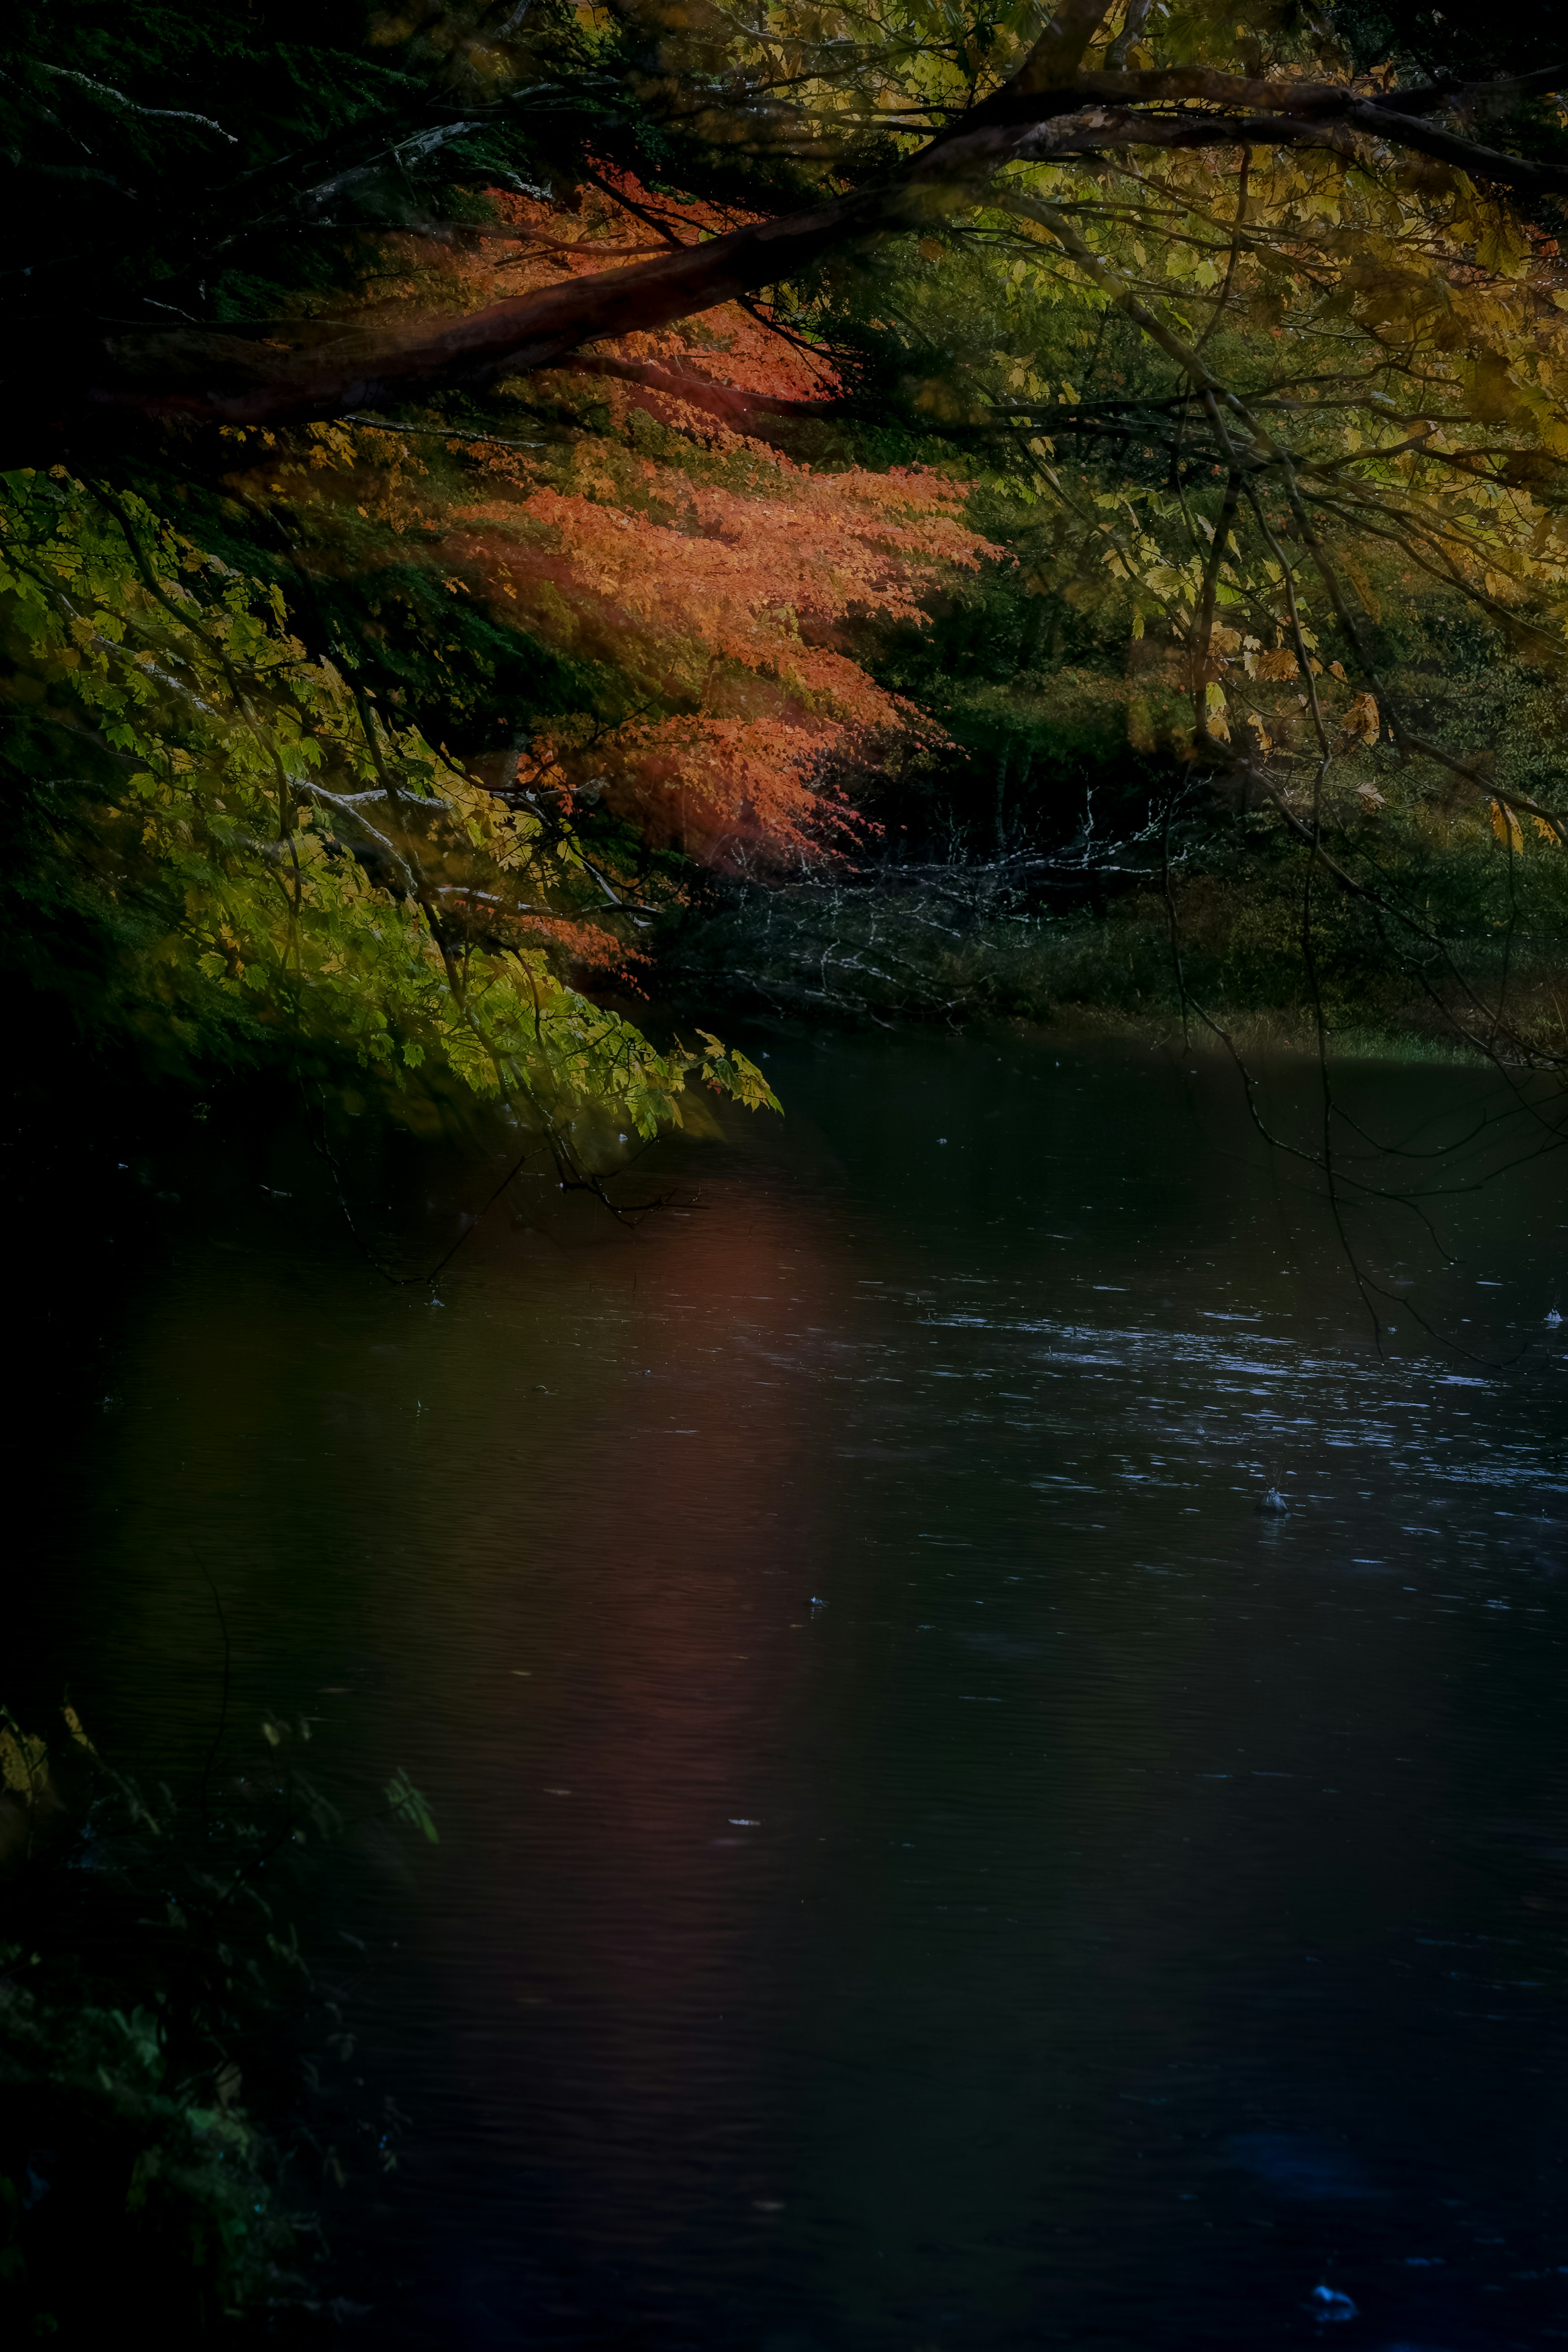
(1083, 1911)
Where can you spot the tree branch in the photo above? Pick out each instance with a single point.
(723, 400)
(1050, 109)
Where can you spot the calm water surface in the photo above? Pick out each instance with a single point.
(924, 1864)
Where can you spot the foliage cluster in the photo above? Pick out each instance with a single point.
(158, 2147)
(262, 851)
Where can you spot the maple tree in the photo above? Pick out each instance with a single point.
(571, 439)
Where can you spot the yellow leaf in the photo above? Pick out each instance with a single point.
(24, 1761)
(1505, 824)
(73, 1725)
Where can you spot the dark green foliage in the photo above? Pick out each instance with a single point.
(215, 163)
(1470, 39)
(166, 2128)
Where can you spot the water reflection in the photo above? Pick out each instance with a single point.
(925, 1863)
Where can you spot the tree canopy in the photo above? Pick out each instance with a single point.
(474, 468)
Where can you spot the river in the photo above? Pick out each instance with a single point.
(925, 1863)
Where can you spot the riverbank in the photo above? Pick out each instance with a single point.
(1236, 955)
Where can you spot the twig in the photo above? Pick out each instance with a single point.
(439, 432)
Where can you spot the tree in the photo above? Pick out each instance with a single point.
(683, 84)
(1245, 345)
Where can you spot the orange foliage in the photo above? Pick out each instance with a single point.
(730, 344)
(715, 785)
(734, 607)
(723, 581)
(735, 579)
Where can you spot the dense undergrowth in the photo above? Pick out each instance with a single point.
(1221, 956)
(1063, 865)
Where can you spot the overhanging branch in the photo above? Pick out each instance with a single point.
(1050, 110)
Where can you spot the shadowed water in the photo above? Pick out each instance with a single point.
(925, 1864)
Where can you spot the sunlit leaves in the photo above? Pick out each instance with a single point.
(286, 850)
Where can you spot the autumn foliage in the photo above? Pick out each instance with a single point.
(733, 608)
(663, 438)
(723, 580)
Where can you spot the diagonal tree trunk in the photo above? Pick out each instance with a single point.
(1049, 108)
